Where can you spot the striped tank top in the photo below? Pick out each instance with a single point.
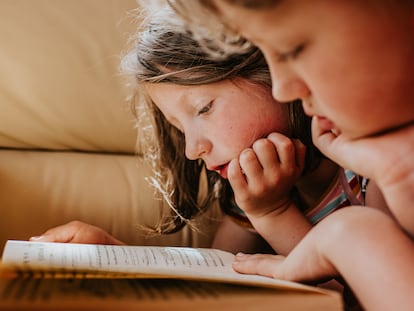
(345, 190)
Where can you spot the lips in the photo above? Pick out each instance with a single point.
(324, 124)
(221, 170)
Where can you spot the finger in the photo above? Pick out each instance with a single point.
(95, 235)
(322, 139)
(300, 155)
(266, 155)
(285, 149)
(77, 232)
(41, 238)
(235, 175)
(261, 264)
(111, 240)
(336, 147)
(64, 233)
(80, 232)
(251, 166)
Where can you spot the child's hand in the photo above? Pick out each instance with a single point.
(310, 259)
(384, 158)
(77, 232)
(264, 175)
(354, 242)
(260, 264)
(262, 180)
(277, 266)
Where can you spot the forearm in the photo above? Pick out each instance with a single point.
(367, 248)
(400, 198)
(395, 174)
(282, 228)
(233, 238)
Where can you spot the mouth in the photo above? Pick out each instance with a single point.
(326, 125)
(220, 169)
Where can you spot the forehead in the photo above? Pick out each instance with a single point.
(278, 20)
(256, 22)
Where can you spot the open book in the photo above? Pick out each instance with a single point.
(62, 270)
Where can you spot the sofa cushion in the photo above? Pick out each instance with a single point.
(40, 190)
(59, 79)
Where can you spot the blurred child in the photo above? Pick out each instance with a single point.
(351, 64)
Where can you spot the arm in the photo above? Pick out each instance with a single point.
(366, 247)
(385, 159)
(77, 232)
(234, 238)
(262, 180)
(374, 198)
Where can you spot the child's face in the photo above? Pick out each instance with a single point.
(219, 120)
(350, 63)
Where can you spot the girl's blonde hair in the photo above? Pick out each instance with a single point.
(165, 51)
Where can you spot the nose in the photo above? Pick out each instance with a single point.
(308, 107)
(288, 89)
(196, 146)
(287, 85)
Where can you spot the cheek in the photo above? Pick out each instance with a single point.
(274, 119)
(252, 119)
(237, 135)
(240, 135)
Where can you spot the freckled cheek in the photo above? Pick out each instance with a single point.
(279, 124)
(231, 139)
(238, 138)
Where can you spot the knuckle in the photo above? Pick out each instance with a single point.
(262, 143)
(75, 223)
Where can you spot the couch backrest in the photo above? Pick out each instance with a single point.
(55, 62)
(60, 93)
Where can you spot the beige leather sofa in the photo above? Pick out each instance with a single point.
(67, 136)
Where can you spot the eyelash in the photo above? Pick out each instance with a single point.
(283, 57)
(205, 109)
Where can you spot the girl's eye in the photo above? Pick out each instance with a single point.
(283, 57)
(205, 109)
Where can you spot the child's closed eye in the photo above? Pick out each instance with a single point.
(283, 57)
(205, 109)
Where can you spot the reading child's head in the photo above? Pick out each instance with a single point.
(349, 61)
(203, 111)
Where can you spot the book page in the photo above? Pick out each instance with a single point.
(115, 258)
(135, 261)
